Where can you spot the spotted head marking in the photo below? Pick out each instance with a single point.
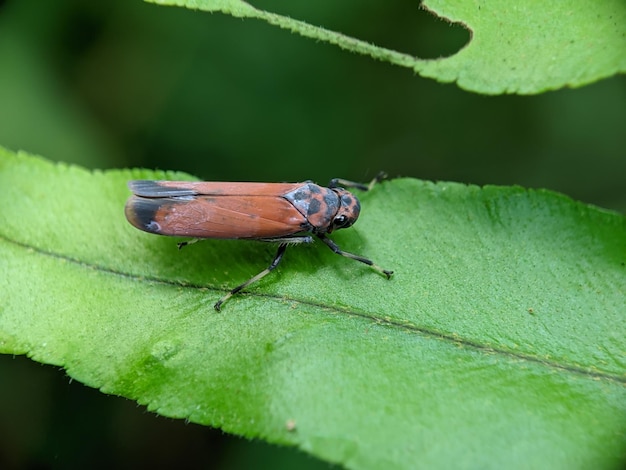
(348, 212)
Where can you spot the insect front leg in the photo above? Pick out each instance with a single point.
(333, 246)
(338, 182)
(279, 255)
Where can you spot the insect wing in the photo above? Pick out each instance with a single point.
(151, 188)
(215, 216)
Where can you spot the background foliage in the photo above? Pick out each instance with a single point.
(130, 84)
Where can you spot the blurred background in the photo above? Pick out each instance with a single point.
(128, 84)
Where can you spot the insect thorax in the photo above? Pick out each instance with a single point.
(318, 204)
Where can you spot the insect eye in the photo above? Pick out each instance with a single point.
(340, 221)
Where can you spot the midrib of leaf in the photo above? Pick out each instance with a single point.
(397, 324)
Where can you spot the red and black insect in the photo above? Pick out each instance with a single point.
(272, 212)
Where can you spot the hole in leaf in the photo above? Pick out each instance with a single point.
(401, 25)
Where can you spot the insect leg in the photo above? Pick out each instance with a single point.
(333, 246)
(288, 240)
(188, 242)
(336, 182)
(279, 255)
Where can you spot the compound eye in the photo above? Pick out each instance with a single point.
(340, 221)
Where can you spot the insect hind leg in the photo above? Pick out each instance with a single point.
(181, 245)
(279, 255)
(288, 240)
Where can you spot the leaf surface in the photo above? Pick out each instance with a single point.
(500, 340)
(525, 48)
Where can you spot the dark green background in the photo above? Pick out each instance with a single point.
(123, 83)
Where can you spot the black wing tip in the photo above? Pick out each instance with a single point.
(141, 213)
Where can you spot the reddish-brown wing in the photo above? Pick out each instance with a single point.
(150, 188)
(184, 209)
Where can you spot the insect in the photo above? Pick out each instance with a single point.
(285, 213)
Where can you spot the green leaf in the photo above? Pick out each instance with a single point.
(499, 342)
(525, 48)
